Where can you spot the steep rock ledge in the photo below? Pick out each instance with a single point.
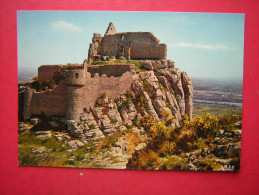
(161, 88)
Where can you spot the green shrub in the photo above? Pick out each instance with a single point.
(91, 126)
(98, 63)
(103, 96)
(208, 165)
(140, 100)
(126, 103)
(146, 160)
(147, 121)
(226, 122)
(168, 148)
(147, 86)
(206, 126)
(185, 142)
(35, 85)
(50, 84)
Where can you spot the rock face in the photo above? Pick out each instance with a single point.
(161, 88)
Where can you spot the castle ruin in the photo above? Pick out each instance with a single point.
(111, 69)
(127, 45)
(85, 83)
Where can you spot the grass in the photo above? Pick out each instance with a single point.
(54, 157)
(98, 63)
(215, 109)
(147, 86)
(138, 63)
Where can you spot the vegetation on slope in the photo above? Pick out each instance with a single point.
(170, 148)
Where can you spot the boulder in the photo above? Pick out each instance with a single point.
(60, 136)
(39, 150)
(158, 64)
(147, 64)
(43, 134)
(75, 143)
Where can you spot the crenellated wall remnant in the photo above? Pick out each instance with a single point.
(78, 91)
(48, 72)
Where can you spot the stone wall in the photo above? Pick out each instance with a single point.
(131, 45)
(50, 102)
(110, 70)
(143, 45)
(46, 72)
(70, 99)
(81, 98)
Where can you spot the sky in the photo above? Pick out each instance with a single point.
(205, 45)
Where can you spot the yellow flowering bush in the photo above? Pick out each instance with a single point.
(205, 126)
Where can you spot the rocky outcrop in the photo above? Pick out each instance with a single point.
(161, 88)
(158, 64)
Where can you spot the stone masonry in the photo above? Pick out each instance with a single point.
(128, 45)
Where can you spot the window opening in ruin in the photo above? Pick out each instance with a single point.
(77, 75)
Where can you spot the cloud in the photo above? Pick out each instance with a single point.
(203, 46)
(66, 26)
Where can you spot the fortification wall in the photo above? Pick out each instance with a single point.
(111, 70)
(143, 45)
(50, 102)
(70, 100)
(47, 72)
(86, 96)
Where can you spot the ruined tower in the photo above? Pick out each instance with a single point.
(75, 80)
(111, 30)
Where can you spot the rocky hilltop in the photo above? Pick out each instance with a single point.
(126, 106)
(158, 88)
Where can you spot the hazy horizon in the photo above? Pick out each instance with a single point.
(205, 45)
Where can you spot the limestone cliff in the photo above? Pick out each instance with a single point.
(159, 88)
